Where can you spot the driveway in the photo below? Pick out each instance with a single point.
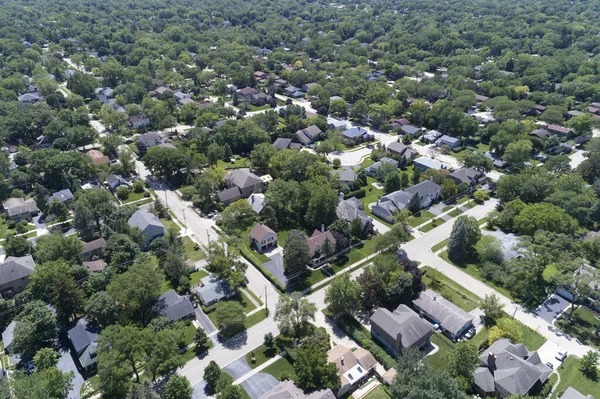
(552, 308)
(238, 368)
(275, 266)
(548, 353)
(205, 322)
(477, 314)
(65, 364)
(201, 390)
(259, 384)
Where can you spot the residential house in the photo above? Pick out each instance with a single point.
(213, 290)
(263, 238)
(481, 99)
(7, 337)
(93, 249)
(159, 91)
(29, 98)
(397, 148)
(65, 196)
(97, 157)
(138, 121)
(451, 142)
(149, 140)
(84, 338)
(402, 328)
(174, 307)
(538, 109)
(281, 82)
(350, 209)
(356, 135)
(410, 130)
(335, 124)
(572, 393)
(245, 181)
(308, 135)
(246, 93)
(453, 321)
(386, 207)
(506, 369)
(20, 209)
(372, 170)
(431, 136)
(14, 274)
(307, 86)
(594, 110)
(115, 181)
(259, 99)
(229, 195)
(294, 92)
(466, 175)
(345, 176)
(353, 367)
(315, 242)
(104, 94)
(425, 163)
(590, 273)
(180, 95)
(497, 161)
(539, 133)
(287, 389)
(572, 114)
(559, 130)
(256, 200)
(282, 143)
(148, 223)
(258, 75)
(97, 265)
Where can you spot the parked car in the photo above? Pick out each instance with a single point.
(550, 365)
(471, 333)
(561, 355)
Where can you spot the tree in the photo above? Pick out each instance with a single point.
(372, 288)
(120, 250)
(392, 182)
(57, 211)
(231, 391)
(589, 363)
(136, 290)
(580, 280)
(166, 161)
(489, 249)
(49, 383)
(145, 390)
(178, 387)
(518, 152)
(449, 188)
(237, 216)
(231, 318)
(464, 236)
(212, 373)
(343, 296)
(292, 312)
(214, 153)
(356, 228)
(296, 255)
(223, 261)
(581, 124)
(322, 206)
(35, 328)
(312, 370)
(492, 310)
(52, 247)
(45, 358)
(102, 308)
(201, 339)
(506, 328)
(269, 341)
(546, 217)
(261, 156)
(462, 362)
(16, 245)
(477, 161)
(414, 205)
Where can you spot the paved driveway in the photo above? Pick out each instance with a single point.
(275, 266)
(548, 353)
(550, 311)
(201, 390)
(259, 384)
(66, 364)
(238, 369)
(205, 321)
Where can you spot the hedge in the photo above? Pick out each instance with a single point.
(360, 193)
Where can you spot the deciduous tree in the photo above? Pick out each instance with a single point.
(292, 312)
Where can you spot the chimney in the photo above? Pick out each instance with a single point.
(342, 360)
(341, 195)
(322, 228)
(252, 199)
(491, 360)
(430, 178)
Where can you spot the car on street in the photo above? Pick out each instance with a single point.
(561, 355)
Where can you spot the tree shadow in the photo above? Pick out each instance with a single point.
(235, 342)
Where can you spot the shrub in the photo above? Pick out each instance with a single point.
(123, 192)
(357, 194)
(138, 186)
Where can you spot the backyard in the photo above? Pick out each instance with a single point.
(194, 280)
(450, 290)
(583, 327)
(438, 360)
(572, 376)
(378, 393)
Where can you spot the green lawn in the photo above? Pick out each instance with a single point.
(438, 359)
(255, 318)
(134, 197)
(191, 353)
(583, 326)
(447, 208)
(455, 212)
(239, 297)
(261, 355)
(415, 221)
(531, 339)
(4, 230)
(190, 251)
(378, 393)
(356, 255)
(483, 147)
(571, 376)
(440, 245)
(432, 225)
(237, 163)
(450, 290)
(194, 279)
(279, 367)
(169, 224)
(190, 332)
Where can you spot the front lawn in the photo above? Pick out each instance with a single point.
(415, 221)
(239, 297)
(255, 318)
(531, 339)
(190, 251)
(450, 290)
(583, 326)
(169, 224)
(261, 355)
(194, 280)
(133, 196)
(280, 367)
(572, 376)
(430, 226)
(440, 245)
(455, 212)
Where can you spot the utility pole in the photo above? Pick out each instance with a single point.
(166, 201)
(184, 222)
(266, 302)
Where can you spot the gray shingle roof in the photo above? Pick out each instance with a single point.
(7, 334)
(397, 147)
(282, 143)
(428, 163)
(349, 210)
(15, 268)
(464, 175)
(572, 393)
(451, 317)
(229, 195)
(143, 220)
(425, 188)
(19, 206)
(213, 289)
(62, 196)
(83, 334)
(173, 307)
(260, 231)
(403, 321)
(242, 178)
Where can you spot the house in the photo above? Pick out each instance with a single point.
(335, 124)
(306, 87)
(114, 181)
(20, 209)
(14, 274)
(559, 130)
(294, 92)
(355, 135)
(104, 94)
(138, 121)
(539, 133)
(497, 161)
(372, 170)
(397, 148)
(425, 163)
(149, 140)
(256, 200)
(345, 176)
(97, 157)
(353, 368)
(451, 142)
(309, 135)
(244, 180)
(84, 338)
(590, 273)
(506, 369)
(572, 114)
(572, 393)
(260, 99)
(159, 91)
(7, 336)
(93, 249)
(174, 307)
(350, 209)
(315, 242)
(431, 136)
(466, 175)
(97, 265)
(410, 130)
(453, 321)
(390, 204)
(229, 195)
(65, 196)
(481, 99)
(403, 328)
(287, 389)
(539, 109)
(148, 223)
(246, 93)
(282, 143)
(213, 290)
(263, 237)
(29, 98)
(260, 75)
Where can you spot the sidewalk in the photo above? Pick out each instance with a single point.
(256, 370)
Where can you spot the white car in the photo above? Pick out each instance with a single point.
(561, 355)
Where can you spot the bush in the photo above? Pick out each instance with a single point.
(123, 192)
(187, 192)
(357, 194)
(138, 186)
(480, 196)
